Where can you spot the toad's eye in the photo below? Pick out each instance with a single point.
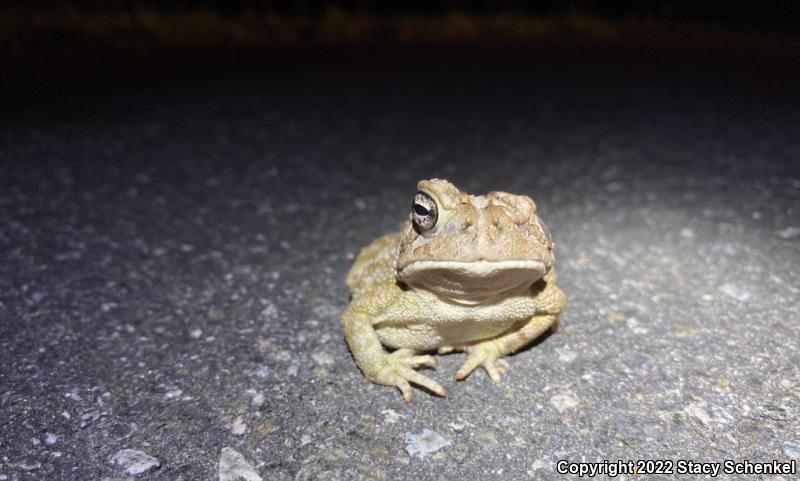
(424, 212)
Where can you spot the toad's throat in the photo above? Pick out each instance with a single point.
(472, 281)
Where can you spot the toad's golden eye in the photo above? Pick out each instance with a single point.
(424, 212)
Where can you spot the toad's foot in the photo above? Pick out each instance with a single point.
(397, 370)
(488, 356)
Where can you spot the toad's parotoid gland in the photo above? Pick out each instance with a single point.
(465, 273)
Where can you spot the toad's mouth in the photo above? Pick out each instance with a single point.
(472, 280)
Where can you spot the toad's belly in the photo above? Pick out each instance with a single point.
(423, 337)
(423, 322)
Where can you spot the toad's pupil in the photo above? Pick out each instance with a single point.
(420, 210)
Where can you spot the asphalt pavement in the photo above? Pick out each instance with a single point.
(175, 232)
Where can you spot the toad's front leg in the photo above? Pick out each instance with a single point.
(395, 369)
(488, 354)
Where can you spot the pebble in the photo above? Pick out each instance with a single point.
(390, 416)
(564, 401)
(792, 448)
(233, 467)
(458, 426)
(538, 464)
(735, 292)
(25, 464)
(323, 358)
(135, 462)
(173, 393)
(636, 326)
(698, 412)
(566, 355)
(257, 397)
(487, 440)
(238, 426)
(789, 232)
(270, 311)
(73, 396)
(420, 445)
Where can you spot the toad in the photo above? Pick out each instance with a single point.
(466, 272)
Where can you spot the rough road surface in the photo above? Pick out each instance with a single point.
(174, 239)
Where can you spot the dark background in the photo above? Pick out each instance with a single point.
(780, 14)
